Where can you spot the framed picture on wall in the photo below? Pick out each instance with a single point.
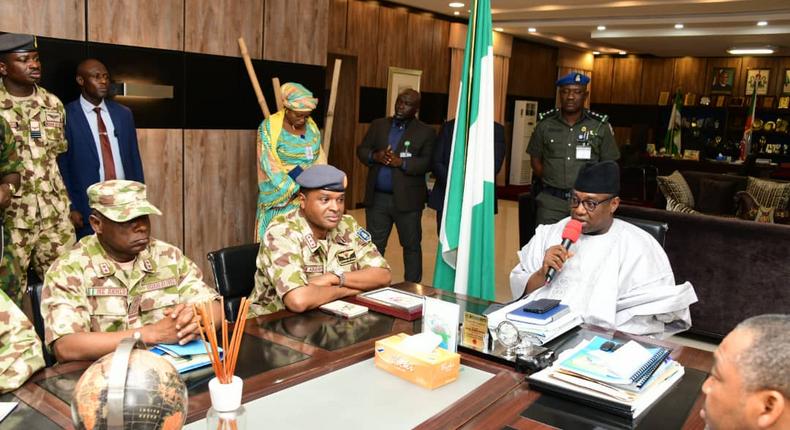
(723, 77)
(757, 78)
(400, 79)
(784, 102)
(768, 102)
(786, 82)
(663, 98)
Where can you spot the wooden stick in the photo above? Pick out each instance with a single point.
(205, 343)
(326, 142)
(253, 78)
(245, 306)
(278, 94)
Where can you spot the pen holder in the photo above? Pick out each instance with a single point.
(225, 397)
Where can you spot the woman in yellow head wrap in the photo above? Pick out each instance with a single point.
(288, 142)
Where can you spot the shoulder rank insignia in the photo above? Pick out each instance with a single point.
(310, 241)
(363, 234)
(599, 116)
(546, 114)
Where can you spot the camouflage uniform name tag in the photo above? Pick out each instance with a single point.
(314, 269)
(105, 291)
(158, 285)
(344, 258)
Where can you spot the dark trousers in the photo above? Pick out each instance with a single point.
(380, 217)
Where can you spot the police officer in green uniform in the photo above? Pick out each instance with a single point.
(563, 141)
(316, 254)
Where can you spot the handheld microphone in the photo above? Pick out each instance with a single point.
(570, 234)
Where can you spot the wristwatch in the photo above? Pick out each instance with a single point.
(340, 275)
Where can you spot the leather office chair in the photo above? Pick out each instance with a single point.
(34, 292)
(657, 229)
(234, 271)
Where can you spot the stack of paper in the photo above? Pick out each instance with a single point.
(185, 357)
(625, 379)
(535, 330)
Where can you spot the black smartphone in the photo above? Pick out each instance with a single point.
(541, 306)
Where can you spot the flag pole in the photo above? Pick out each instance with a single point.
(469, 82)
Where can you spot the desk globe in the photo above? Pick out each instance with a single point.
(154, 397)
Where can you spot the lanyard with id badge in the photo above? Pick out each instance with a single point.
(583, 148)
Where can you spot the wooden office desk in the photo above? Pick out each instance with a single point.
(284, 349)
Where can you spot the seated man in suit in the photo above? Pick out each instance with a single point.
(120, 282)
(102, 142)
(615, 275)
(749, 385)
(315, 255)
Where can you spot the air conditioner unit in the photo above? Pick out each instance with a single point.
(525, 117)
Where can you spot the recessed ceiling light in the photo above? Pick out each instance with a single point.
(456, 13)
(499, 29)
(456, 4)
(622, 52)
(765, 50)
(596, 52)
(532, 29)
(762, 23)
(601, 27)
(678, 26)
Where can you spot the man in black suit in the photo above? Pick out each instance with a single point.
(398, 152)
(441, 164)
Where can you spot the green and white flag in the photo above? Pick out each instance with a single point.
(672, 139)
(465, 256)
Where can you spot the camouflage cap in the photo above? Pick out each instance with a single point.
(120, 200)
(322, 176)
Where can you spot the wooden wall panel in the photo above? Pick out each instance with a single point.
(163, 163)
(627, 79)
(394, 41)
(362, 39)
(149, 23)
(342, 153)
(419, 29)
(656, 77)
(733, 62)
(771, 63)
(220, 191)
(437, 75)
(227, 20)
(64, 19)
(295, 31)
(601, 83)
(359, 175)
(338, 25)
(533, 69)
(689, 75)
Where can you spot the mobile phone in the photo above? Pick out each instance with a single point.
(541, 306)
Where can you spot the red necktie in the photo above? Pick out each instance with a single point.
(106, 150)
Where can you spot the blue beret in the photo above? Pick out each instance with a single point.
(573, 78)
(599, 178)
(11, 42)
(322, 176)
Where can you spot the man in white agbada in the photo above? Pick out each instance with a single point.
(616, 275)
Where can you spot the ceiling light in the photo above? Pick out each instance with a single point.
(456, 13)
(456, 4)
(532, 29)
(601, 27)
(762, 23)
(678, 26)
(499, 29)
(622, 52)
(765, 50)
(596, 52)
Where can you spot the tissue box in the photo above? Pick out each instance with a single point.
(430, 370)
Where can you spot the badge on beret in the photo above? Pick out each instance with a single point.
(363, 234)
(578, 78)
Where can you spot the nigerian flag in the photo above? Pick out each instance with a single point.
(465, 257)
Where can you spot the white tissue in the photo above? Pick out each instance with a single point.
(421, 343)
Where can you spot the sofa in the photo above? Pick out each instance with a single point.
(738, 268)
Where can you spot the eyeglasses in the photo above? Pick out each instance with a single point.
(589, 205)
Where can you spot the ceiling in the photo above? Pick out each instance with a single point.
(710, 27)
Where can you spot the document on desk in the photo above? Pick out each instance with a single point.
(6, 408)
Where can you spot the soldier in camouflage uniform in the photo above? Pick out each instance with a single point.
(119, 281)
(563, 141)
(38, 218)
(20, 348)
(315, 255)
(9, 183)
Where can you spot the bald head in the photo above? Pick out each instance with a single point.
(94, 80)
